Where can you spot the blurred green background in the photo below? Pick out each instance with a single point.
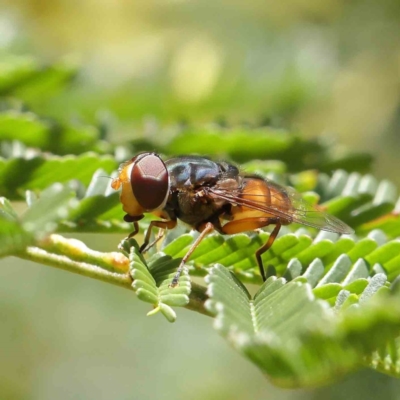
(320, 68)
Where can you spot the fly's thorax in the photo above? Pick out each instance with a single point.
(191, 171)
(228, 171)
(228, 185)
(193, 206)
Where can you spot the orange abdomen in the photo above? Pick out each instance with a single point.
(266, 196)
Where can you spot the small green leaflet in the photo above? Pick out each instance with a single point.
(151, 283)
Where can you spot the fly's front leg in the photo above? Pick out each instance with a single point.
(134, 220)
(209, 227)
(135, 230)
(125, 244)
(159, 224)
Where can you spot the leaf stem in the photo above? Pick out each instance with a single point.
(96, 265)
(78, 251)
(82, 268)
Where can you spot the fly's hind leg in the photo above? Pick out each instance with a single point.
(248, 224)
(264, 248)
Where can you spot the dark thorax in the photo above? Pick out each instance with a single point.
(190, 198)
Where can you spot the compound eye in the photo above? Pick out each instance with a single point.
(149, 181)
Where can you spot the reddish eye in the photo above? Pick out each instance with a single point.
(149, 181)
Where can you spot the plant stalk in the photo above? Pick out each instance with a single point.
(100, 267)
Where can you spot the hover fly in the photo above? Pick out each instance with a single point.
(210, 196)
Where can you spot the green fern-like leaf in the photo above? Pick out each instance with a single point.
(13, 237)
(39, 171)
(40, 219)
(291, 335)
(347, 254)
(151, 284)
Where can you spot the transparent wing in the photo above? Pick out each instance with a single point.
(306, 214)
(300, 211)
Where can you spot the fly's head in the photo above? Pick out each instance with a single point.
(144, 184)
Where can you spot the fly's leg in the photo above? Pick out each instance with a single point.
(159, 224)
(265, 247)
(209, 227)
(135, 230)
(160, 235)
(124, 245)
(248, 224)
(134, 220)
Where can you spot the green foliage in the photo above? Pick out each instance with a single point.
(331, 251)
(295, 338)
(49, 135)
(265, 143)
(331, 303)
(24, 77)
(38, 220)
(95, 209)
(151, 284)
(36, 171)
(13, 237)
